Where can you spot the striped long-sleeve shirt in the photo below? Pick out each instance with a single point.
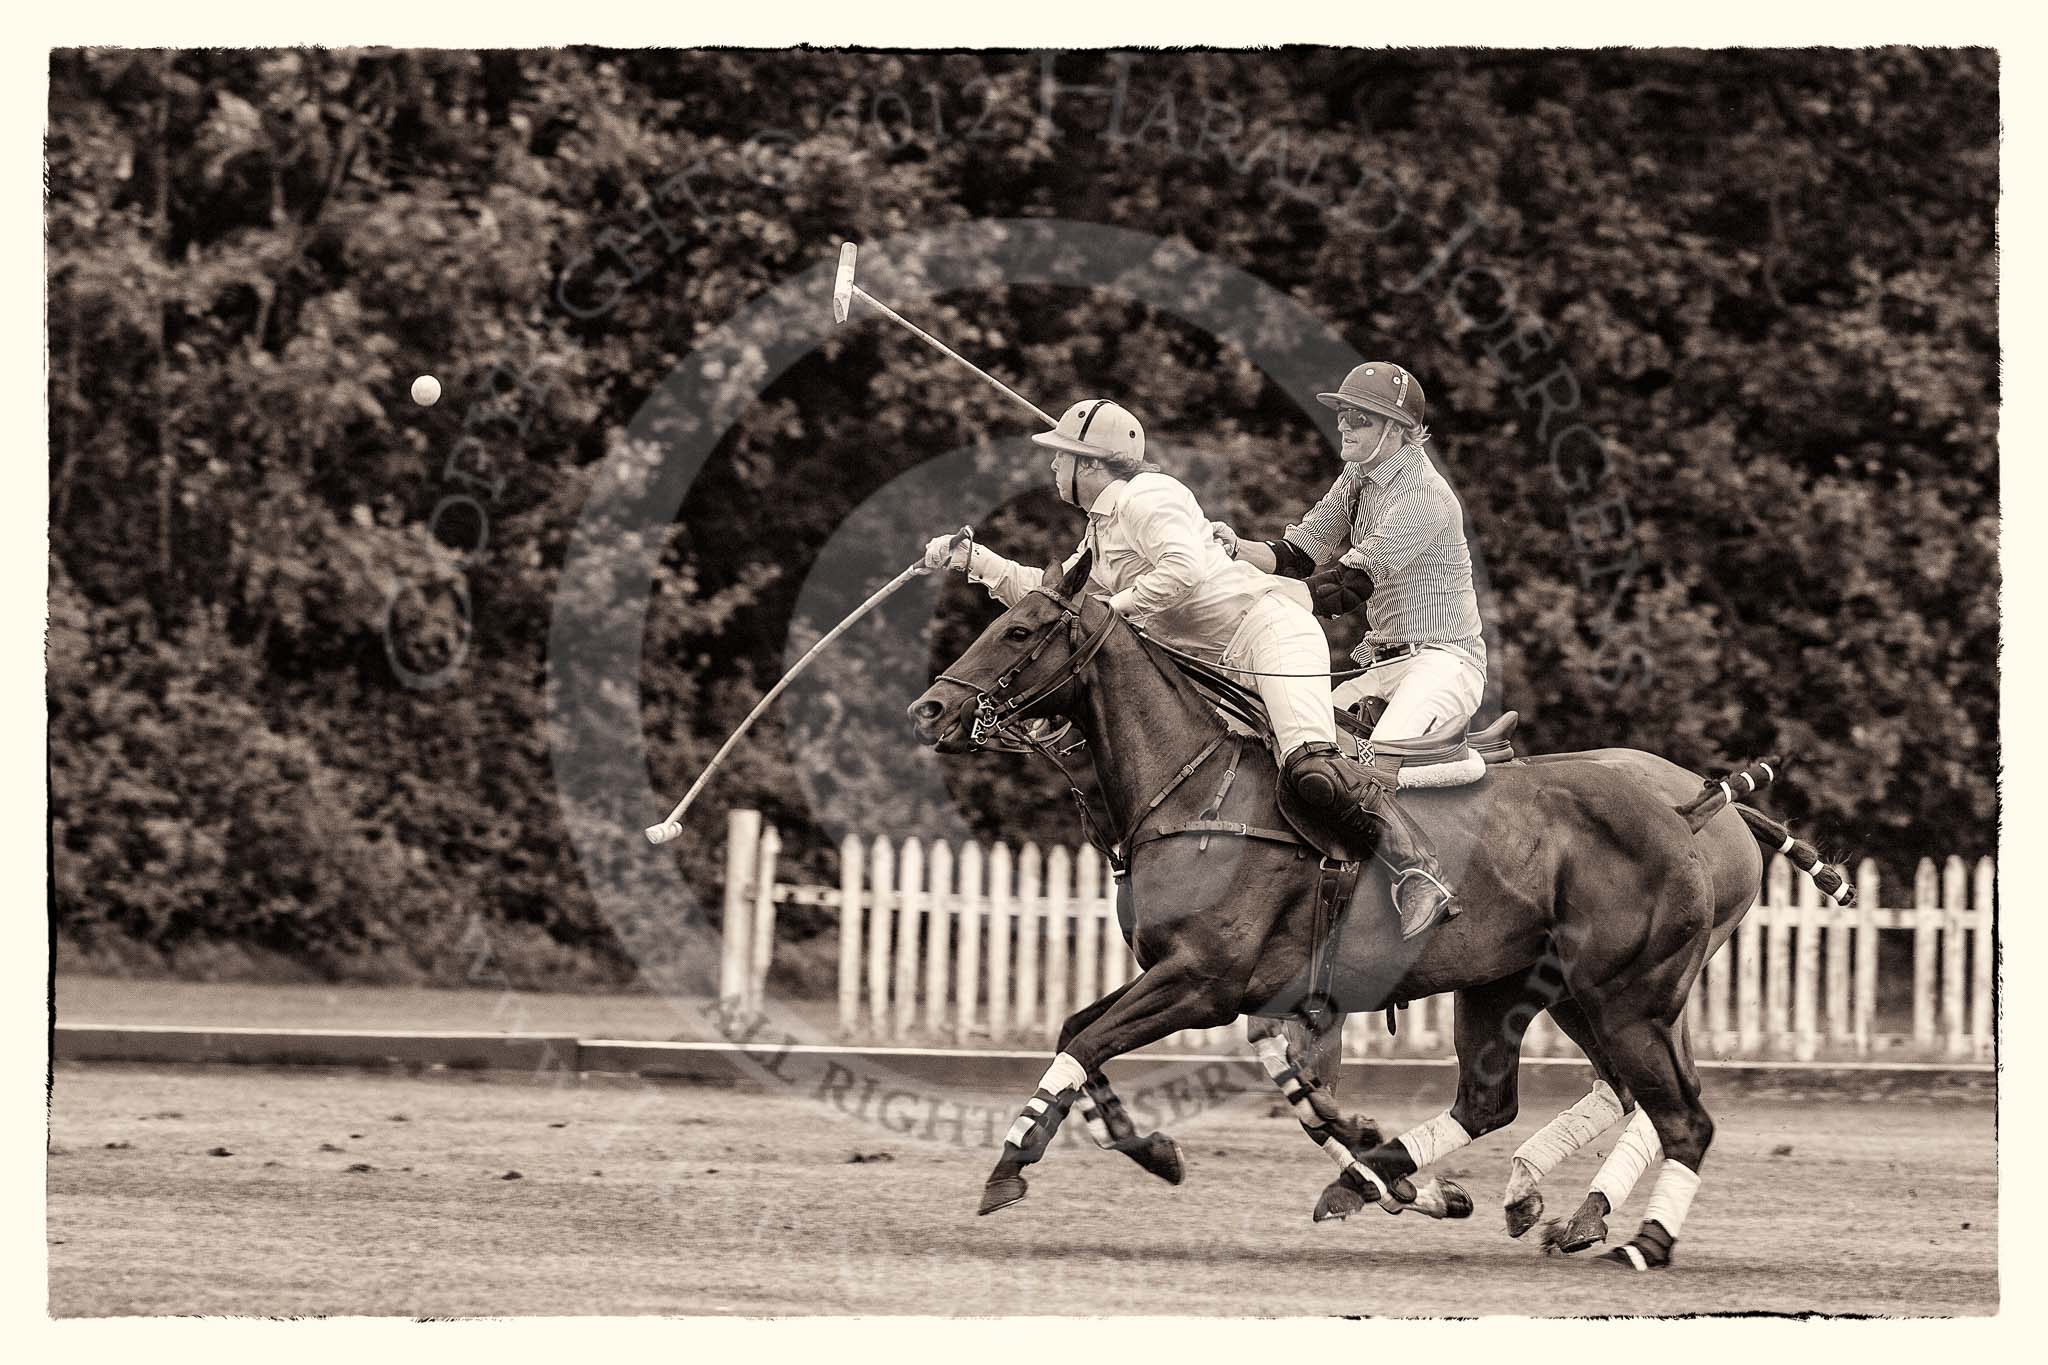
(1401, 523)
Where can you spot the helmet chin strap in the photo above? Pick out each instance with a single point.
(1073, 493)
(1379, 445)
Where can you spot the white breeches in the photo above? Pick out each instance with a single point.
(1279, 636)
(1423, 691)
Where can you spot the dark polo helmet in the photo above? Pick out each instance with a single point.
(1379, 386)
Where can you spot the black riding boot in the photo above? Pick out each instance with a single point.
(1358, 800)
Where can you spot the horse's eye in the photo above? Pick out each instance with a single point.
(1017, 633)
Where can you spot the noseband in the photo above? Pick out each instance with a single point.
(994, 713)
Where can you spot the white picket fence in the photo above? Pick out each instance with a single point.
(974, 945)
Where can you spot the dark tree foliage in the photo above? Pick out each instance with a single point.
(1766, 280)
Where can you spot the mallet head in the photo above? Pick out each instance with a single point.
(842, 283)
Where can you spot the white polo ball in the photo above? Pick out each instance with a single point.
(426, 391)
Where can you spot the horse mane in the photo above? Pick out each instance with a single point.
(1180, 677)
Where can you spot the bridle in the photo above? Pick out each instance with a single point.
(995, 713)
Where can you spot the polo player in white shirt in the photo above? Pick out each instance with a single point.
(1161, 568)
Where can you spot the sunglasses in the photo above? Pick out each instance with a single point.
(1353, 419)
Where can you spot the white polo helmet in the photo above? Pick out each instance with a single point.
(1101, 430)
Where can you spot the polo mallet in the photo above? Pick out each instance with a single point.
(673, 826)
(843, 290)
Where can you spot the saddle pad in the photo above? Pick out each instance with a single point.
(1467, 768)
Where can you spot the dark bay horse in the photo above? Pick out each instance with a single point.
(1579, 881)
(1491, 1020)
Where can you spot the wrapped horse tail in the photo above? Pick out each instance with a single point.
(1804, 856)
(1726, 791)
(1719, 792)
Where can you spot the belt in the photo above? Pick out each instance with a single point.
(1382, 653)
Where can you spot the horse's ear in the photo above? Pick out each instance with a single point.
(1077, 577)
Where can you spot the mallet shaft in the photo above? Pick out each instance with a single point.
(942, 346)
(671, 827)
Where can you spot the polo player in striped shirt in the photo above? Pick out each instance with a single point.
(1396, 534)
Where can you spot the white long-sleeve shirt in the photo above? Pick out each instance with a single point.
(1159, 564)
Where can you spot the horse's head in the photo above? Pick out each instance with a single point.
(1025, 664)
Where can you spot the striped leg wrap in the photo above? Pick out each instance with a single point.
(1287, 1076)
(1371, 1185)
(1098, 1127)
(1035, 1110)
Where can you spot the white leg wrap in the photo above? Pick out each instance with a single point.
(1633, 1152)
(1435, 1140)
(1672, 1198)
(1559, 1138)
(1064, 1074)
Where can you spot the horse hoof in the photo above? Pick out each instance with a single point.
(1587, 1227)
(1339, 1202)
(1156, 1153)
(1001, 1193)
(1440, 1198)
(1433, 1198)
(1523, 1213)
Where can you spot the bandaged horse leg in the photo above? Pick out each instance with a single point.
(1652, 1056)
(1304, 1088)
(1381, 1176)
(1633, 1152)
(1551, 1144)
(1489, 1023)
(1164, 998)
(1523, 1203)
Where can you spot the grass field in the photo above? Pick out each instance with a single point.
(345, 1193)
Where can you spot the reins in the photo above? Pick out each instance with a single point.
(995, 716)
(1165, 648)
